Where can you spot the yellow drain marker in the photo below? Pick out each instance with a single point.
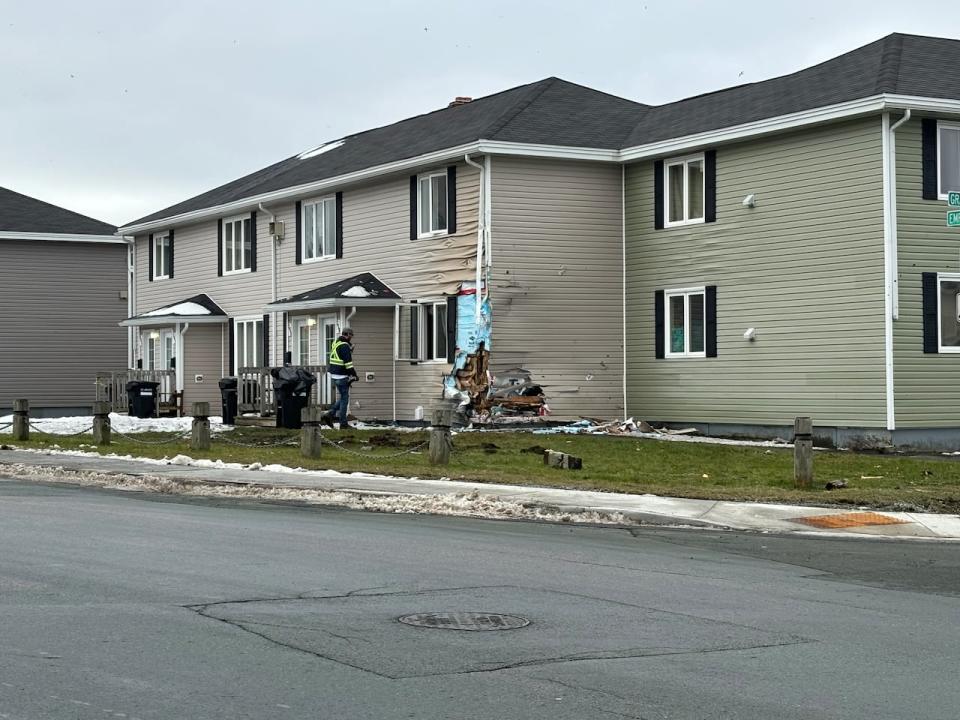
(847, 520)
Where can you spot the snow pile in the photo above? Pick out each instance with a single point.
(463, 504)
(184, 308)
(120, 423)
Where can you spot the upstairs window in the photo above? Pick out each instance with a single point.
(319, 229)
(684, 190)
(432, 204)
(948, 158)
(237, 246)
(162, 257)
(685, 323)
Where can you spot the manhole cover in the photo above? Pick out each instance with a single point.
(465, 621)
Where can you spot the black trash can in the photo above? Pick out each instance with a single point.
(142, 398)
(292, 386)
(228, 397)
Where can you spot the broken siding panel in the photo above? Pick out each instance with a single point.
(927, 387)
(804, 267)
(556, 280)
(67, 301)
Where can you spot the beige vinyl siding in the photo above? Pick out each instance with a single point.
(376, 239)
(63, 303)
(927, 386)
(203, 349)
(804, 267)
(556, 286)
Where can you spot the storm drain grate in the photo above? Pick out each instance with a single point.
(465, 621)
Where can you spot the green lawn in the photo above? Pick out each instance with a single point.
(609, 463)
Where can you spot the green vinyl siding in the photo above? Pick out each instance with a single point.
(804, 267)
(927, 386)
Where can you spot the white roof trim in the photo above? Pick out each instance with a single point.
(849, 109)
(279, 305)
(63, 237)
(172, 320)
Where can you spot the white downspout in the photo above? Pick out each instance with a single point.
(623, 266)
(481, 227)
(892, 189)
(274, 287)
(131, 298)
(180, 333)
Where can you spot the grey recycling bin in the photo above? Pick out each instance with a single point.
(142, 398)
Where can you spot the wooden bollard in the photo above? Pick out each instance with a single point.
(440, 444)
(803, 452)
(101, 423)
(21, 420)
(200, 435)
(311, 441)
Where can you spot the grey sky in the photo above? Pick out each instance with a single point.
(116, 108)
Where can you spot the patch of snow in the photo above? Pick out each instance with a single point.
(326, 147)
(184, 308)
(357, 291)
(120, 423)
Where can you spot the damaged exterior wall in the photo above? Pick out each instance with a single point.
(805, 267)
(556, 284)
(376, 239)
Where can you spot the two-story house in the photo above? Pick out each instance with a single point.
(732, 260)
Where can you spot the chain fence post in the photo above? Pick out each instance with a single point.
(440, 444)
(311, 441)
(101, 423)
(21, 419)
(200, 434)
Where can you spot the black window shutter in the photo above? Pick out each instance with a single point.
(283, 332)
(658, 323)
(220, 251)
(414, 333)
(298, 211)
(266, 341)
(251, 227)
(170, 252)
(658, 197)
(711, 321)
(451, 328)
(452, 199)
(230, 354)
(931, 339)
(928, 130)
(339, 224)
(413, 207)
(150, 251)
(710, 188)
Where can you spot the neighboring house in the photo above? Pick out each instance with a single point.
(63, 285)
(729, 261)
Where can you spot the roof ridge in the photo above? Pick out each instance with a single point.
(888, 75)
(510, 115)
(59, 208)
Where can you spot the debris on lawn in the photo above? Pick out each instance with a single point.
(835, 484)
(535, 449)
(552, 458)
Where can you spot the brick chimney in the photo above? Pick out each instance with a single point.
(460, 100)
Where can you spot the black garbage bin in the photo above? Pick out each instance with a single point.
(292, 386)
(142, 398)
(228, 397)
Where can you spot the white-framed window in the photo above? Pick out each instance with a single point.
(161, 350)
(432, 204)
(684, 188)
(948, 312)
(301, 340)
(237, 247)
(948, 158)
(420, 332)
(685, 323)
(248, 342)
(319, 223)
(161, 256)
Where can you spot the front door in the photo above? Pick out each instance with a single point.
(328, 333)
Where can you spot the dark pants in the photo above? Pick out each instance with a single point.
(342, 405)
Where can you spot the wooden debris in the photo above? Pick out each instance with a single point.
(552, 458)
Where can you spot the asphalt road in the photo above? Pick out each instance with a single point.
(130, 606)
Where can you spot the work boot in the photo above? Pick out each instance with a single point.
(327, 420)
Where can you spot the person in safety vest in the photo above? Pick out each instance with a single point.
(341, 371)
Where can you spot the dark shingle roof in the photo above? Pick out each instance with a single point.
(551, 111)
(20, 213)
(203, 300)
(557, 112)
(370, 283)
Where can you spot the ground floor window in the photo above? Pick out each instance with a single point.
(421, 331)
(948, 312)
(685, 322)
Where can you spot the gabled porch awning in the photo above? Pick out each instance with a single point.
(196, 309)
(364, 290)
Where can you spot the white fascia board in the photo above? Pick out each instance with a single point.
(498, 147)
(922, 104)
(780, 123)
(252, 203)
(63, 237)
(327, 303)
(172, 320)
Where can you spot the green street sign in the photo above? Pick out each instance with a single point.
(953, 199)
(953, 219)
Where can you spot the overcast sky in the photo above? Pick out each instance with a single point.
(118, 108)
